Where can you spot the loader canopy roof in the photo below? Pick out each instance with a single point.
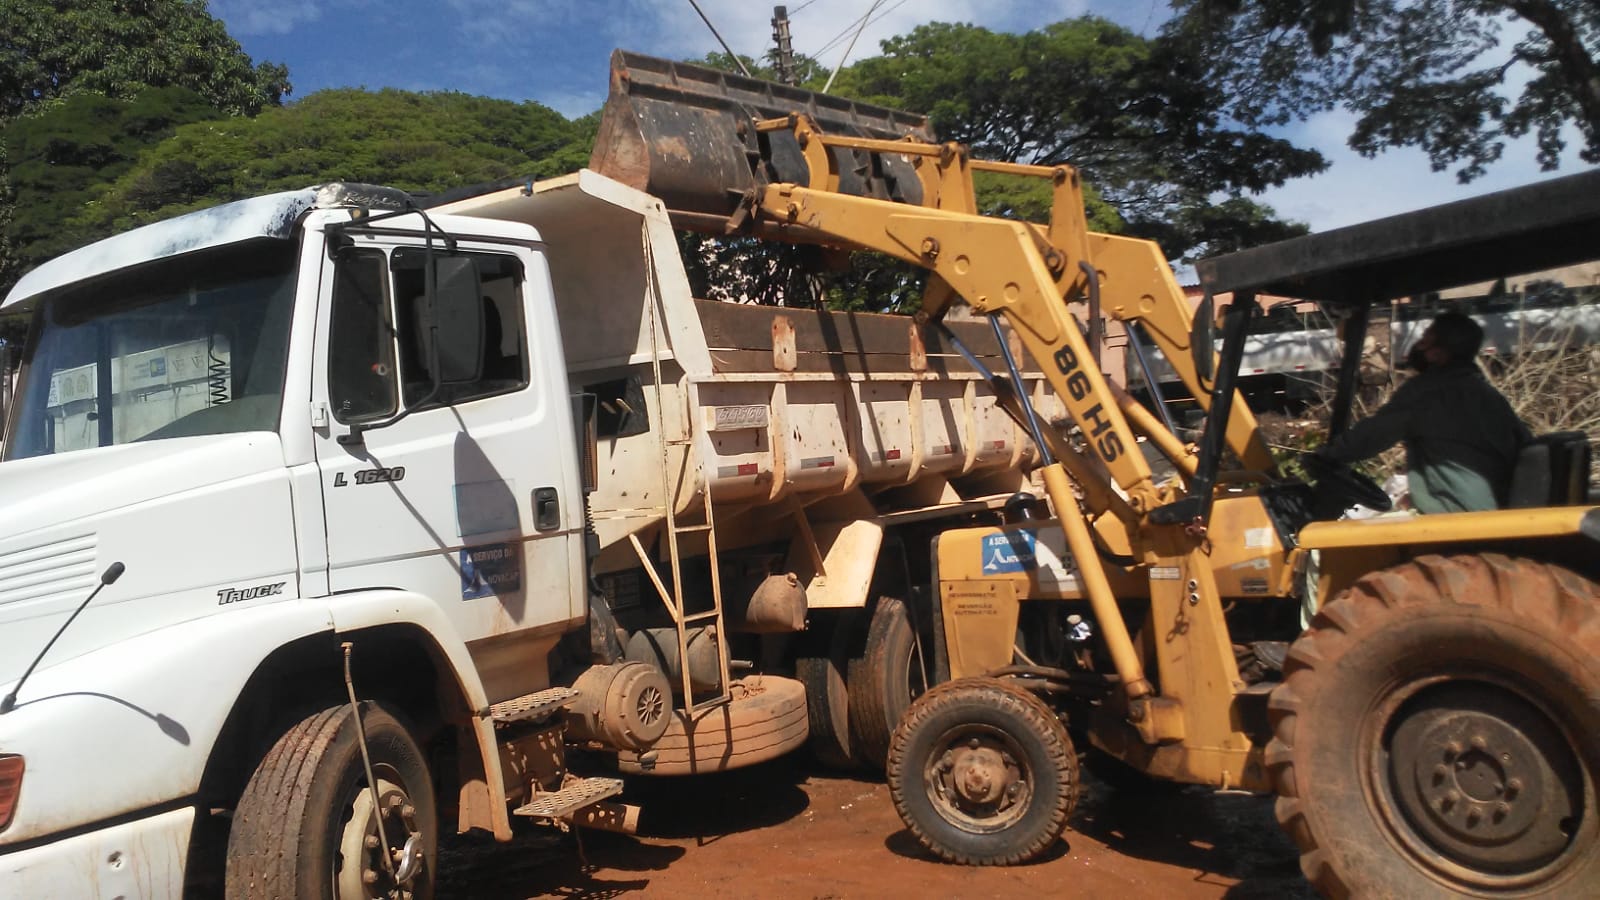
(1539, 226)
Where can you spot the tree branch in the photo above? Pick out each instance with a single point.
(1577, 67)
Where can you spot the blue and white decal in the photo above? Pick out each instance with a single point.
(1012, 551)
(490, 570)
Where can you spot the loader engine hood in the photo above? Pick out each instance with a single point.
(201, 524)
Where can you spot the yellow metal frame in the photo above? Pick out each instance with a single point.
(1030, 274)
(1035, 275)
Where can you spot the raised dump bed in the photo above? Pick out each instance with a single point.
(769, 410)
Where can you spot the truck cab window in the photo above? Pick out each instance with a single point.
(192, 345)
(378, 329)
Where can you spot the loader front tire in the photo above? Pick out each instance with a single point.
(304, 826)
(1435, 734)
(983, 773)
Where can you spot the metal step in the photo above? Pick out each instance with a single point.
(532, 707)
(570, 799)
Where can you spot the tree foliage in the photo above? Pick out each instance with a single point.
(1457, 78)
(62, 157)
(50, 48)
(1140, 118)
(415, 141)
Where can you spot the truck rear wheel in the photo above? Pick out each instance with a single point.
(983, 773)
(883, 681)
(1435, 733)
(828, 708)
(305, 826)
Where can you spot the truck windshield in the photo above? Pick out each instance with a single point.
(187, 346)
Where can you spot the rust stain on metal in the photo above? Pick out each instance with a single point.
(919, 350)
(784, 355)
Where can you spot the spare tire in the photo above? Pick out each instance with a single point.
(765, 719)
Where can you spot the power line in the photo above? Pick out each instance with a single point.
(841, 35)
(865, 20)
(736, 60)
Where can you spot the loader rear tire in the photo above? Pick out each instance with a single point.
(883, 681)
(983, 773)
(1435, 733)
(304, 826)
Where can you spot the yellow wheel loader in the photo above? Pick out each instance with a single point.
(1434, 731)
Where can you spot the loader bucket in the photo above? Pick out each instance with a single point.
(684, 133)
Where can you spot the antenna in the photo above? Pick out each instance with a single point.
(109, 576)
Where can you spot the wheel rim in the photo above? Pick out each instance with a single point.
(1477, 782)
(978, 779)
(359, 869)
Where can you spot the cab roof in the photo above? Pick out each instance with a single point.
(1539, 226)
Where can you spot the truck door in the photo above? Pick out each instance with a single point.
(469, 498)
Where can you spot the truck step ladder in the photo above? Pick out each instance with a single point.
(675, 599)
(576, 795)
(532, 707)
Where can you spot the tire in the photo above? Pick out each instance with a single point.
(297, 830)
(883, 682)
(828, 709)
(1435, 733)
(1003, 802)
(765, 719)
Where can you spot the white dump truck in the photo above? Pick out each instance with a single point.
(485, 470)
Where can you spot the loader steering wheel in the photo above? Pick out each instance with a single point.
(1339, 482)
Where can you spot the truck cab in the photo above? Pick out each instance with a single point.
(285, 433)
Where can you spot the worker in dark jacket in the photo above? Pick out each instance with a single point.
(1461, 435)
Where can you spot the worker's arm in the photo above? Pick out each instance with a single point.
(1379, 431)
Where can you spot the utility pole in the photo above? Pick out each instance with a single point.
(780, 36)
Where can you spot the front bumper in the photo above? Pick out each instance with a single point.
(143, 858)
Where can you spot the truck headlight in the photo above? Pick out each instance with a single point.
(10, 787)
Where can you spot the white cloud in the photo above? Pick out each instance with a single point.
(249, 17)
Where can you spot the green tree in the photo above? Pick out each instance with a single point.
(49, 48)
(416, 141)
(64, 155)
(1141, 118)
(1437, 74)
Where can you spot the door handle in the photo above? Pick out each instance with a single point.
(546, 509)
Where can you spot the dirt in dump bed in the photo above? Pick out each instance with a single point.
(788, 829)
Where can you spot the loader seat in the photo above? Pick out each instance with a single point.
(1551, 470)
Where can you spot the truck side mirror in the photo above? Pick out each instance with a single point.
(455, 311)
(1202, 343)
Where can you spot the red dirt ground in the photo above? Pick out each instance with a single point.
(787, 830)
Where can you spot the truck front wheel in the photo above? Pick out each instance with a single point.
(983, 773)
(305, 826)
(1435, 733)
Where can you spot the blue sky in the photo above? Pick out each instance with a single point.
(556, 52)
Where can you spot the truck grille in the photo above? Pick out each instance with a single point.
(42, 571)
